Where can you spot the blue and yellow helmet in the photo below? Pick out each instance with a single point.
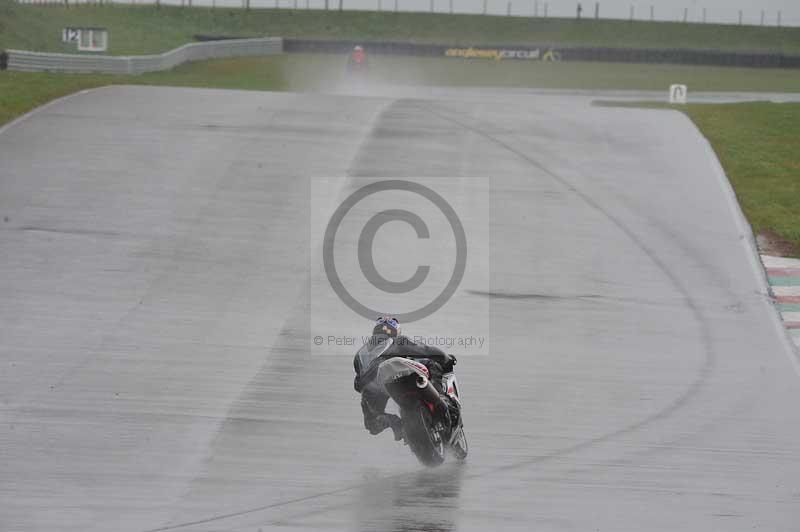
(386, 325)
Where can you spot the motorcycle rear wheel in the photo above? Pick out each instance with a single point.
(425, 441)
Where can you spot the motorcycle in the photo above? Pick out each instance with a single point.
(429, 428)
(357, 62)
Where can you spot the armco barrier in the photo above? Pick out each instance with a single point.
(616, 55)
(77, 63)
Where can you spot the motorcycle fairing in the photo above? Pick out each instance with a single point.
(451, 386)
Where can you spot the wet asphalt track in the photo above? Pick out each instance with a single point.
(154, 347)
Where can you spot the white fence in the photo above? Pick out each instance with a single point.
(74, 63)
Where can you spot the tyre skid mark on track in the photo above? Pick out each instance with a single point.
(599, 299)
(254, 510)
(694, 388)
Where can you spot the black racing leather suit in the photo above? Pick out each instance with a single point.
(374, 399)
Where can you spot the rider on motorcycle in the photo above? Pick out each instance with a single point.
(374, 399)
(357, 61)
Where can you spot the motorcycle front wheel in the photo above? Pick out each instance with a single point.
(425, 441)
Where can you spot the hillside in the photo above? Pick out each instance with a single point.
(147, 29)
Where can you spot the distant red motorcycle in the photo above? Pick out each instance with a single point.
(357, 62)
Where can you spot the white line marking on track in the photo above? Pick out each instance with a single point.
(779, 262)
(786, 290)
(791, 316)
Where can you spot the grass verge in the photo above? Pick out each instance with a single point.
(758, 144)
(148, 29)
(21, 92)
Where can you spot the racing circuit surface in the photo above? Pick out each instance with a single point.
(154, 337)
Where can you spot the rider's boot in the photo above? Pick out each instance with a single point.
(396, 424)
(382, 422)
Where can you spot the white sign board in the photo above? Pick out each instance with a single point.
(87, 39)
(677, 94)
(70, 34)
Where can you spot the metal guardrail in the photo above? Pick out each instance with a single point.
(106, 64)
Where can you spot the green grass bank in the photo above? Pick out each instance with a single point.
(21, 92)
(147, 29)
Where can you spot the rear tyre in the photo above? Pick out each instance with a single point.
(425, 441)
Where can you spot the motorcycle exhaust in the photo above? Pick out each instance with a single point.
(422, 381)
